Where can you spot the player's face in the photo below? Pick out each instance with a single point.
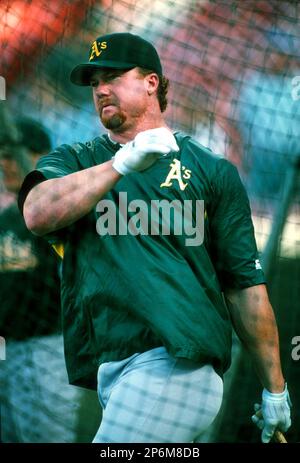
(120, 98)
(11, 172)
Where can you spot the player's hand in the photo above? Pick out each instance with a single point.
(276, 413)
(140, 153)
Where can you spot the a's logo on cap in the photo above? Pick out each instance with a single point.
(96, 49)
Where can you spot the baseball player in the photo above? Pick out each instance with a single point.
(153, 230)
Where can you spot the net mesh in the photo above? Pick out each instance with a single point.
(234, 69)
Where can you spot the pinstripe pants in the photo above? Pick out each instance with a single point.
(153, 397)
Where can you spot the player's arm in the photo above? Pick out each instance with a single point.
(236, 260)
(58, 202)
(254, 322)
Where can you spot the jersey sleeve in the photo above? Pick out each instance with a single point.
(58, 163)
(234, 250)
(63, 161)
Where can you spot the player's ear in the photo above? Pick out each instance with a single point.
(151, 83)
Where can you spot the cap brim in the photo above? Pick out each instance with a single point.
(81, 74)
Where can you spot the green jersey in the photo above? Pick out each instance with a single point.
(146, 267)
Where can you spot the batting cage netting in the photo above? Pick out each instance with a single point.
(234, 71)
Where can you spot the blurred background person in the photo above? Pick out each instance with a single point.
(37, 403)
(269, 121)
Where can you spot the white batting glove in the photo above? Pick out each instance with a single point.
(140, 153)
(276, 413)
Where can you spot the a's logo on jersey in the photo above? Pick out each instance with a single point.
(97, 48)
(177, 172)
(257, 264)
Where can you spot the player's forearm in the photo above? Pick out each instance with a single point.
(255, 324)
(57, 203)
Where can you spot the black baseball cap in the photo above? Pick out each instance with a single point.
(33, 135)
(121, 50)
